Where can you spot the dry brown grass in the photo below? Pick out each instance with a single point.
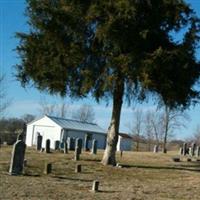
(145, 176)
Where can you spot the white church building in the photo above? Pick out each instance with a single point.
(59, 129)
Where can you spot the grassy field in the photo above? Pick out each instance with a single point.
(144, 176)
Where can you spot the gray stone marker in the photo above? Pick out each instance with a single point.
(57, 145)
(71, 143)
(76, 154)
(79, 144)
(39, 142)
(78, 168)
(181, 151)
(184, 149)
(94, 147)
(65, 147)
(47, 168)
(155, 150)
(95, 186)
(47, 146)
(198, 151)
(193, 148)
(17, 158)
(86, 142)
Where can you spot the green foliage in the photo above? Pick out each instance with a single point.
(85, 47)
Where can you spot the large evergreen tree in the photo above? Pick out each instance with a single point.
(117, 49)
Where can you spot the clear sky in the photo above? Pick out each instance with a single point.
(24, 101)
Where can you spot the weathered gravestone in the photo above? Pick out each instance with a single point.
(79, 144)
(47, 146)
(76, 154)
(94, 147)
(71, 143)
(155, 150)
(78, 168)
(65, 147)
(86, 142)
(198, 151)
(47, 168)
(181, 151)
(17, 158)
(39, 143)
(57, 145)
(95, 186)
(185, 149)
(193, 148)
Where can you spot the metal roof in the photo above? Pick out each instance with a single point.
(71, 124)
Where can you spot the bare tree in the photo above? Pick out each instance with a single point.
(197, 135)
(55, 109)
(171, 119)
(85, 114)
(148, 129)
(4, 102)
(27, 118)
(136, 127)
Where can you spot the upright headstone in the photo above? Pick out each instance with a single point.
(78, 168)
(17, 158)
(76, 154)
(95, 186)
(71, 143)
(198, 151)
(39, 142)
(86, 142)
(47, 146)
(65, 147)
(181, 151)
(184, 149)
(47, 168)
(94, 147)
(57, 145)
(193, 148)
(79, 144)
(155, 150)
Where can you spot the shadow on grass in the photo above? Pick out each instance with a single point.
(181, 167)
(107, 191)
(71, 179)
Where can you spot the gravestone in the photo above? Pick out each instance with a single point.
(78, 168)
(86, 142)
(94, 147)
(65, 147)
(155, 150)
(47, 168)
(39, 142)
(193, 148)
(79, 144)
(57, 145)
(95, 186)
(181, 151)
(198, 151)
(76, 154)
(71, 143)
(185, 149)
(47, 146)
(17, 158)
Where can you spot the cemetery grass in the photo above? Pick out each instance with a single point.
(144, 175)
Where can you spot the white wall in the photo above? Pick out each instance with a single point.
(101, 139)
(50, 130)
(124, 144)
(47, 128)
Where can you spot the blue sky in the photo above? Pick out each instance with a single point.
(12, 19)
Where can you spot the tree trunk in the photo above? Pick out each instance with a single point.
(113, 130)
(164, 144)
